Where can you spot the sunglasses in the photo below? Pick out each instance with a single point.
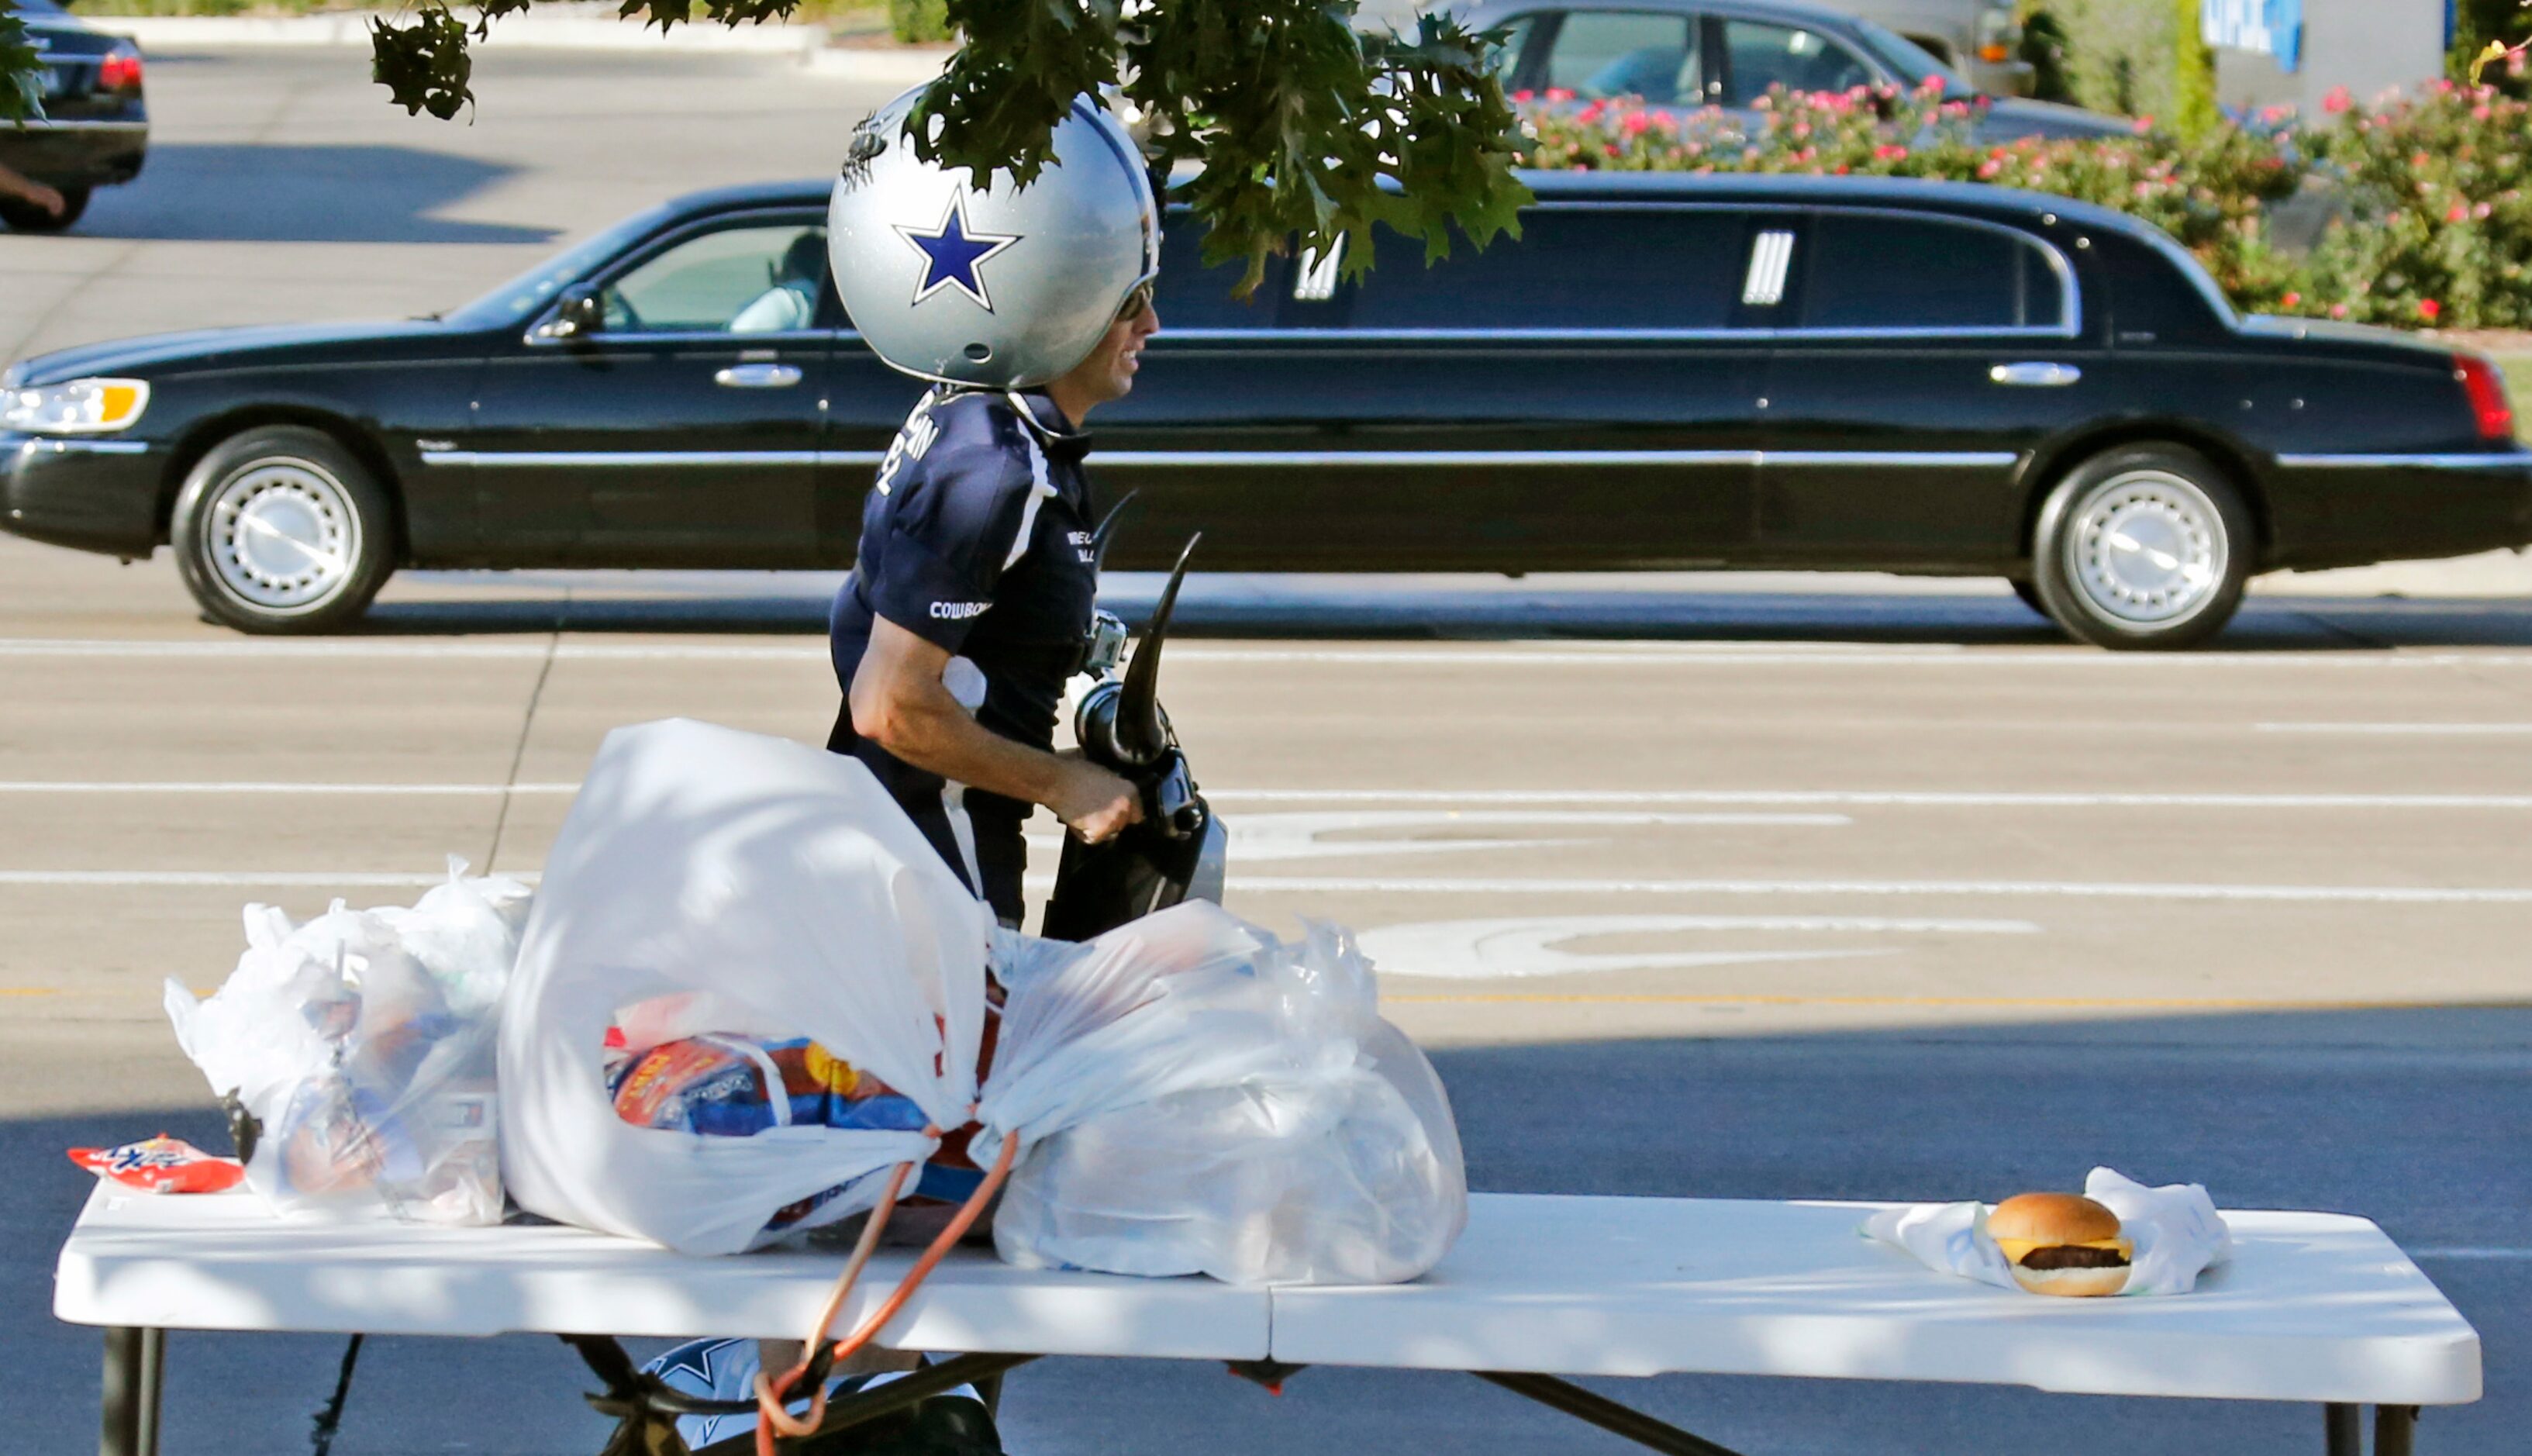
(1136, 303)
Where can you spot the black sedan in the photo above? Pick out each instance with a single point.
(1665, 371)
(94, 130)
(1687, 54)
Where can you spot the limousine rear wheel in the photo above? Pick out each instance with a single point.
(2143, 546)
(281, 529)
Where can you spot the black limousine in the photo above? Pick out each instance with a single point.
(1665, 371)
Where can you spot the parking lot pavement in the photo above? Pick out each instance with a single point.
(281, 184)
(1756, 886)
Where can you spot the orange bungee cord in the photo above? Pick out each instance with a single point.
(771, 1415)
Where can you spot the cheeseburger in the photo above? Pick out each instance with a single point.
(2061, 1244)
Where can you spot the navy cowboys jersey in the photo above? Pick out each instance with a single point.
(977, 537)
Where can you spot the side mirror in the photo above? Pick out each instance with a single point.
(578, 316)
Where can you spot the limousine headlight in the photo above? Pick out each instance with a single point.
(77, 407)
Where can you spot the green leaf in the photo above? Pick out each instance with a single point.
(424, 66)
(21, 70)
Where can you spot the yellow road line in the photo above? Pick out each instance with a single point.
(2040, 1002)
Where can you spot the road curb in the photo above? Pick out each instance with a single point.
(809, 44)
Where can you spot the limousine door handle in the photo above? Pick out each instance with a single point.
(758, 376)
(2036, 375)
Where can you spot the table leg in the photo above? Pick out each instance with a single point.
(135, 1370)
(2344, 1428)
(1608, 1413)
(2396, 1430)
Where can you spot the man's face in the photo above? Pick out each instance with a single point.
(1109, 373)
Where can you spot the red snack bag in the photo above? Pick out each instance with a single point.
(161, 1165)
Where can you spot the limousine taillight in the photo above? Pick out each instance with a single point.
(2482, 380)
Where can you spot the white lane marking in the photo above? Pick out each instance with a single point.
(1513, 949)
(2045, 888)
(1872, 798)
(2468, 1253)
(1514, 653)
(1257, 838)
(2421, 729)
(89, 787)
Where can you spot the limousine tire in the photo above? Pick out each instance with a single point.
(282, 529)
(2026, 593)
(2143, 546)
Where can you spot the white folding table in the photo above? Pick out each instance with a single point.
(2313, 1307)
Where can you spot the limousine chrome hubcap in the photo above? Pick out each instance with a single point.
(284, 535)
(2148, 547)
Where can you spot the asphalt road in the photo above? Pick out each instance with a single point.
(1836, 889)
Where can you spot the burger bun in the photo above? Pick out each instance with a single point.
(2052, 1218)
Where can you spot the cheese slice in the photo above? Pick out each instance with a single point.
(2015, 1250)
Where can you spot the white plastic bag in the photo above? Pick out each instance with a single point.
(710, 880)
(359, 1049)
(1193, 1096)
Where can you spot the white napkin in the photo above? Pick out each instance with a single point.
(2176, 1228)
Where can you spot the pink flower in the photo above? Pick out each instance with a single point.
(1840, 169)
(2145, 189)
(2339, 100)
(1801, 129)
(1559, 94)
(1611, 147)
(2339, 311)
(1636, 124)
(1522, 98)
(2292, 300)
(2144, 125)
(1933, 84)
(2458, 214)
(2480, 112)
(1592, 113)
(1764, 103)
(1989, 168)
(1889, 153)
(2430, 310)
(2481, 209)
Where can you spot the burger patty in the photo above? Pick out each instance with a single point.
(2067, 1257)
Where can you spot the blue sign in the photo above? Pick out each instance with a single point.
(2269, 27)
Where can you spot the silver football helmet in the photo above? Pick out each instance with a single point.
(997, 286)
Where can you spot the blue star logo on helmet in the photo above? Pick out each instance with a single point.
(952, 254)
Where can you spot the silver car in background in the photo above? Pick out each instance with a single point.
(1981, 38)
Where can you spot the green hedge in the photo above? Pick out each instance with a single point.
(917, 22)
(2431, 221)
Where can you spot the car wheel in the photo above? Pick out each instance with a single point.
(280, 529)
(2143, 546)
(27, 218)
(2026, 593)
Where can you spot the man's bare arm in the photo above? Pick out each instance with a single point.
(18, 184)
(900, 703)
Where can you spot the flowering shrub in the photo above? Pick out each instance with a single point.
(2437, 191)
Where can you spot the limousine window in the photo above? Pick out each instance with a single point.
(761, 279)
(1598, 53)
(1902, 272)
(1572, 267)
(1189, 295)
